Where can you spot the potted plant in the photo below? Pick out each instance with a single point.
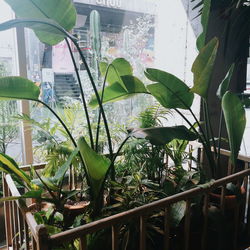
(97, 168)
(168, 90)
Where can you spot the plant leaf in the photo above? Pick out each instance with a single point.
(235, 119)
(36, 194)
(9, 198)
(201, 40)
(116, 92)
(119, 67)
(163, 135)
(169, 90)
(14, 87)
(44, 25)
(177, 211)
(203, 66)
(63, 169)
(62, 12)
(96, 165)
(225, 83)
(8, 165)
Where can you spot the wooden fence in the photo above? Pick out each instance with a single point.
(23, 231)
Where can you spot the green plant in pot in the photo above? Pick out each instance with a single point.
(51, 28)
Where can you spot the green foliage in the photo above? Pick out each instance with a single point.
(169, 90)
(164, 135)
(153, 116)
(172, 93)
(146, 177)
(65, 16)
(96, 167)
(14, 87)
(8, 128)
(118, 67)
(225, 83)
(235, 117)
(125, 88)
(53, 144)
(201, 40)
(203, 67)
(8, 165)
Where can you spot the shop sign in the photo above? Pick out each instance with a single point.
(110, 3)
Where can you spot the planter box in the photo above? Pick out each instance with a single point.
(22, 229)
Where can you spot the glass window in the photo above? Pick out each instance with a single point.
(10, 142)
(147, 33)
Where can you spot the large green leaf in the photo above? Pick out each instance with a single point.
(35, 194)
(201, 40)
(119, 67)
(61, 11)
(116, 92)
(63, 169)
(223, 88)
(177, 211)
(203, 67)
(18, 88)
(8, 165)
(96, 166)
(47, 183)
(163, 135)
(235, 119)
(169, 90)
(43, 25)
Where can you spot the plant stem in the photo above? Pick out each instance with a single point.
(60, 120)
(68, 132)
(102, 95)
(100, 105)
(82, 94)
(210, 128)
(204, 142)
(219, 143)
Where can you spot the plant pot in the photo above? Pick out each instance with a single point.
(72, 210)
(231, 200)
(76, 208)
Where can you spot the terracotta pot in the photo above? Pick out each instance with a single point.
(231, 201)
(76, 208)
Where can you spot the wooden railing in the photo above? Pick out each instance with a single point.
(22, 229)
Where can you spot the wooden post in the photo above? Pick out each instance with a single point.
(187, 224)
(26, 128)
(142, 232)
(115, 239)
(166, 227)
(43, 240)
(205, 212)
(83, 243)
